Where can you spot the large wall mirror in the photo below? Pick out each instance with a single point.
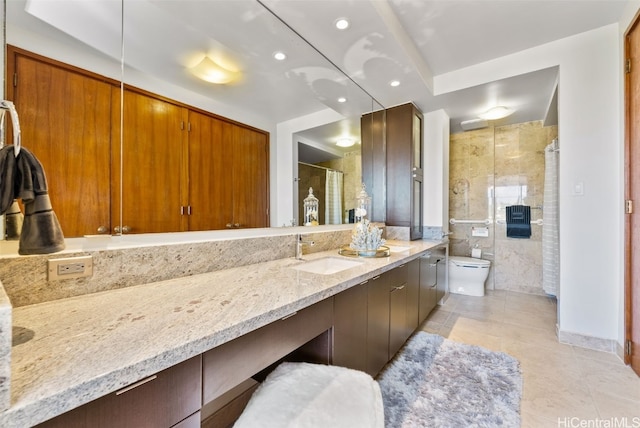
(188, 104)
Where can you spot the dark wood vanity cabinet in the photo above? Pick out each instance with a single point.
(170, 398)
(350, 328)
(387, 327)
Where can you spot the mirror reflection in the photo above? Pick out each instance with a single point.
(166, 116)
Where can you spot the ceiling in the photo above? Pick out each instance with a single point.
(408, 40)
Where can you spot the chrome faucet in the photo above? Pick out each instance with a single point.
(299, 243)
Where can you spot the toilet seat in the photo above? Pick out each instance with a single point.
(469, 262)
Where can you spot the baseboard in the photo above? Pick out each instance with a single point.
(589, 342)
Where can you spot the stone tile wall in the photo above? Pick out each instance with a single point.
(490, 169)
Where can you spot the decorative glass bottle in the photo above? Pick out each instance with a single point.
(363, 205)
(310, 205)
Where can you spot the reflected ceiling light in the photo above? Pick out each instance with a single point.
(345, 142)
(280, 56)
(497, 112)
(342, 100)
(394, 83)
(210, 71)
(342, 24)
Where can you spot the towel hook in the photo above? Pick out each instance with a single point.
(8, 105)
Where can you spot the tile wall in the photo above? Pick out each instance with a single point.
(490, 169)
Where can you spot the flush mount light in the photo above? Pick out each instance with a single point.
(342, 100)
(345, 142)
(342, 24)
(280, 56)
(496, 113)
(394, 83)
(210, 71)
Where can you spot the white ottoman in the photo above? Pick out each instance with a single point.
(304, 395)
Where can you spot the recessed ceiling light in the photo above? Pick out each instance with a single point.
(280, 56)
(342, 100)
(394, 83)
(342, 24)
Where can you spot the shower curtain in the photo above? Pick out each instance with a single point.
(333, 196)
(550, 217)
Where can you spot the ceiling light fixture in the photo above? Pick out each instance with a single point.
(394, 83)
(210, 71)
(345, 142)
(495, 113)
(342, 100)
(342, 24)
(280, 56)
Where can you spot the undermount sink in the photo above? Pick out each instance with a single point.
(398, 248)
(327, 265)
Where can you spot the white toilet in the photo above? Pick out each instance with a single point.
(467, 275)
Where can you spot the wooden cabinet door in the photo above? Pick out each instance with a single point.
(152, 164)
(350, 328)
(210, 189)
(250, 172)
(374, 161)
(377, 323)
(71, 137)
(413, 296)
(428, 281)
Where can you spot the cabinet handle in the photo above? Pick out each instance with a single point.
(124, 229)
(399, 287)
(229, 226)
(236, 225)
(289, 316)
(135, 385)
(375, 277)
(102, 229)
(364, 282)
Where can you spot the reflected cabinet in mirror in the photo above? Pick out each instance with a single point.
(135, 133)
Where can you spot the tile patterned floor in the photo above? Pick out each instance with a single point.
(564, 385)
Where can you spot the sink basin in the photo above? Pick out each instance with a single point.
(398, 248)
(327, 265)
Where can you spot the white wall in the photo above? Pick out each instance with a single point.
(591, 143)
(436, 169)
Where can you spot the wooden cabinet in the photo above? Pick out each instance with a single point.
(152, 156)
(177, 169)
(392, 142)
(374, 162)
(167, 399)
(228, 178)
(428, 280)
(350, 328)
(413, 296)
(387, 327)
(72, 137)
(404, 168)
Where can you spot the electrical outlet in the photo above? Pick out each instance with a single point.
(70, 267)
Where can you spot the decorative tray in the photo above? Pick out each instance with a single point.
(382, 251)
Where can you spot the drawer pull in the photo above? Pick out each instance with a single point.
(400, 287)
(288, 316)
(135, 385)
(364, 282)
(375, 277)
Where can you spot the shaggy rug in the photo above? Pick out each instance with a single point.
(436, 382)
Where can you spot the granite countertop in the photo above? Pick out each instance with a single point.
(68, 352)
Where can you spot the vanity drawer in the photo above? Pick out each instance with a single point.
(162, 400)
(230, 364)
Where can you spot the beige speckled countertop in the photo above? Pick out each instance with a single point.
(71, 351)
